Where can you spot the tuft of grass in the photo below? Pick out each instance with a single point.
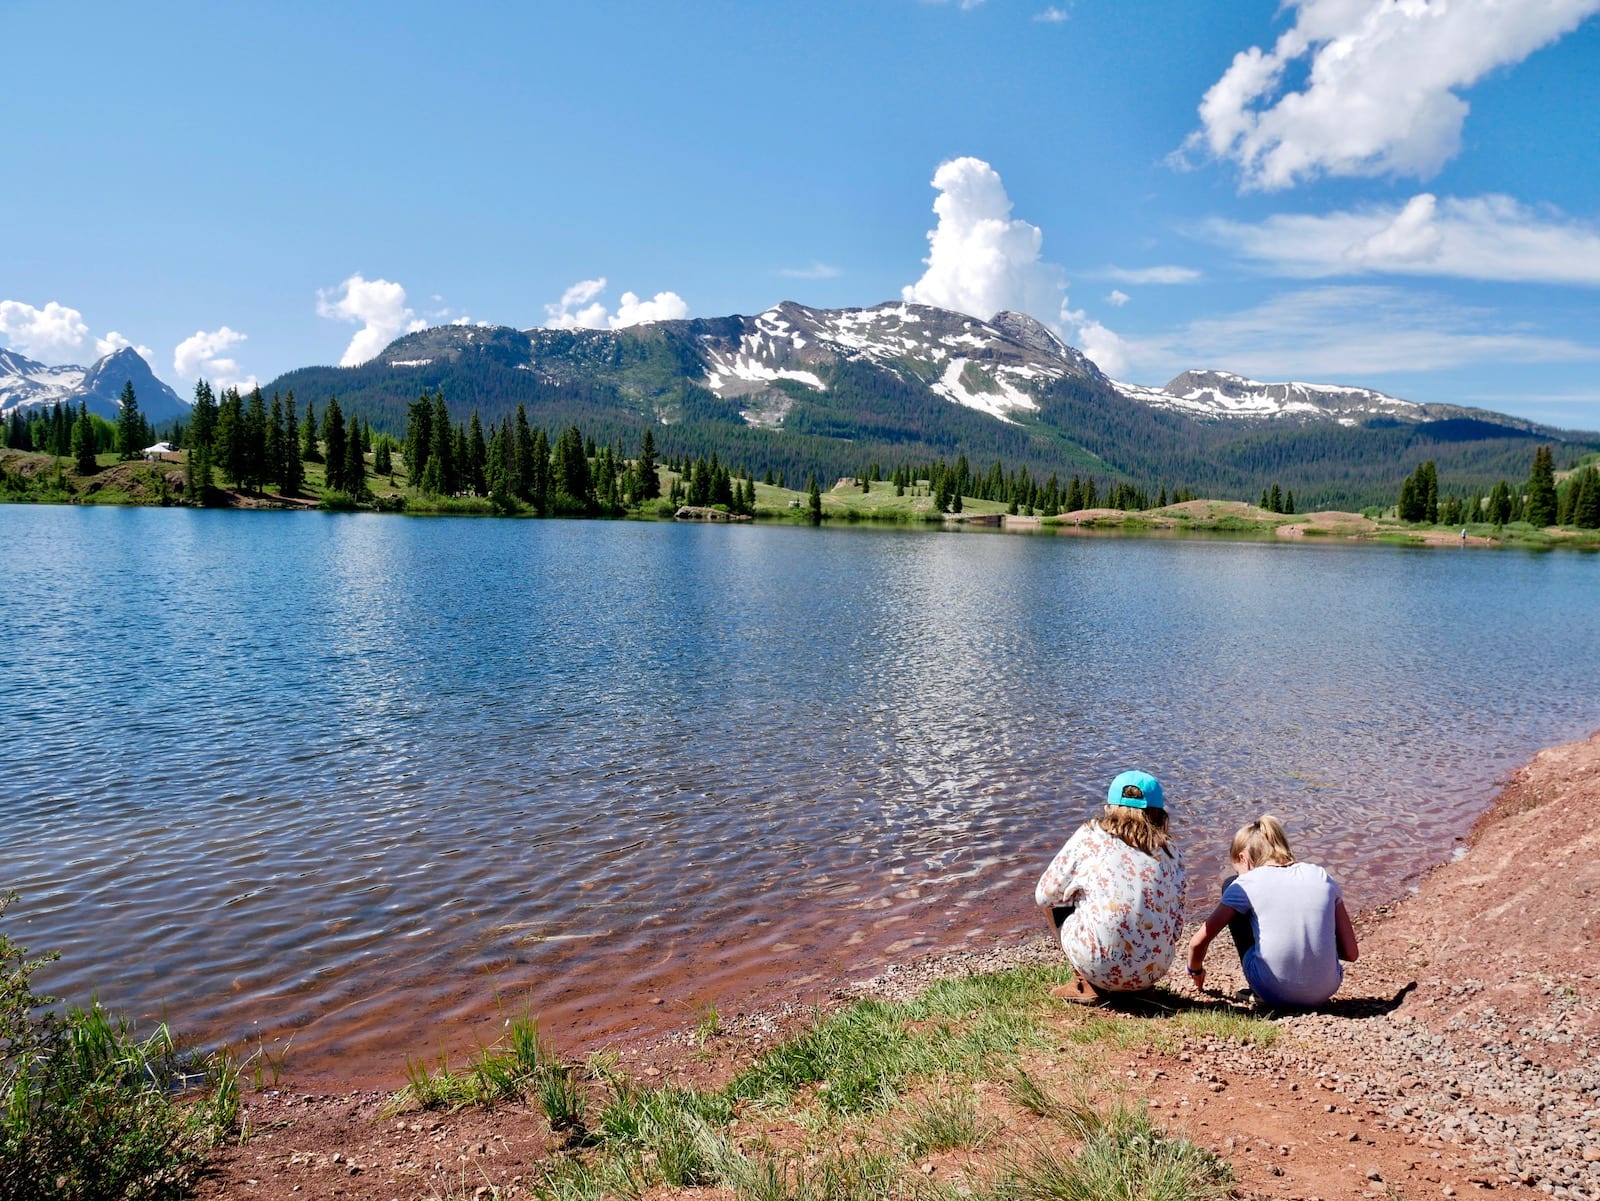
(946, 1124)
(1125, 1158)
(562, 1098)
(88, 1109)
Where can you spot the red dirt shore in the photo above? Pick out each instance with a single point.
(1462, 1055)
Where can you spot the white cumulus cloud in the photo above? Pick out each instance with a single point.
(1482, 237)
(581, 308)
(54, 333)
(378, 306)
(1054, 15)
(58, 334)
(204, 355)
(982, 260)
(1118, 298)
(1381, 83)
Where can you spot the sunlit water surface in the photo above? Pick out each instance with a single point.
(372, 781)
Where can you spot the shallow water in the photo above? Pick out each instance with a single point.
(356, 777)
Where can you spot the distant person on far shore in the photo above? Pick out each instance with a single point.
(1114, 893)
(1287, 918)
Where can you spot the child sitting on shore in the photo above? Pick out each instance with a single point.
(1115, 893)
(1287, 919)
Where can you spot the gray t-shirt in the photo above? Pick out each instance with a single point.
(1296, 957)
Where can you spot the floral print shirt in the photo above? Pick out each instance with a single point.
(1129, 915)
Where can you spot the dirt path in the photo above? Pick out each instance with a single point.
(1460, 1056)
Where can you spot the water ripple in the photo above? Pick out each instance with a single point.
(347, 775)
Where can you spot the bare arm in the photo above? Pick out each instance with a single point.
(1214, 925)
(1345, 933)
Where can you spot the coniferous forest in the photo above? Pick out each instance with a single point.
(513, 463)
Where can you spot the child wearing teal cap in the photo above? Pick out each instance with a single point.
(1115, 893)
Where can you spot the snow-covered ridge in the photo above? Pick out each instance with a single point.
(996, 367)
(1221, 395)
(28, 384)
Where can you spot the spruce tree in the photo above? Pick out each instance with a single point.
(419, 438)
(130, 425)
(277, 443)
(83, 443)
(292, 472)
(814, 501)
(520, 475)
(1586, 509)
(645, 469)
(335, 439)
(477, 457)
(354, 476)
(308, 436)
(228, 444)
(1541, 506)
(539, 473)
(255, 468)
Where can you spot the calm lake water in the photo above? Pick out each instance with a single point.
(372, 780)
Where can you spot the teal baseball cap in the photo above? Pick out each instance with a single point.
(1136, 790)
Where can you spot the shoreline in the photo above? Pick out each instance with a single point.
(1461, 1054)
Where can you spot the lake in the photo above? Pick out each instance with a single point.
(375, 782)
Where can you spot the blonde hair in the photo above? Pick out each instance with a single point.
(1142, 829)
(1262, 841)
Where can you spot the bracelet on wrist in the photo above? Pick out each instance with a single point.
(1197, 971)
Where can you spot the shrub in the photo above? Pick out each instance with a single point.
(88, 1110)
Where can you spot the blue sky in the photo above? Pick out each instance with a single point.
(1393, 193)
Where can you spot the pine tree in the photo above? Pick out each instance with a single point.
(1586, 509)
(1541, 506)
(229, 442)
(353, 479)
(477, 457)
(202, 434)
(645, 468)
(292, 472)
(539, 473)
(814, 501)
(277, 443)
(419, 438)
(1500, 507)
(308, 436)
(570, 469)
(335, 439)
(1075, 495)
(439, 475)
(83, 443)
(254, 446)
(521, 470)
(130, 425)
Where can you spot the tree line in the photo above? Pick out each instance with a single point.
(1539, 501)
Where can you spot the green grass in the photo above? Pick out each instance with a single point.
(1125, 1158)
(89, 1109)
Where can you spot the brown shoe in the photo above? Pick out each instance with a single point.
(1078, 991)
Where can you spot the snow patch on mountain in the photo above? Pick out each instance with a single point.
(995, 367)
(1221, 395)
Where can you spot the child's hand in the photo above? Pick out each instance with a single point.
(1197, 977)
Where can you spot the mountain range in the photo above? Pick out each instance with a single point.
(797, 390)
(27, 384)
